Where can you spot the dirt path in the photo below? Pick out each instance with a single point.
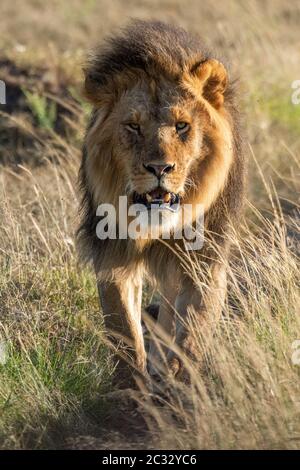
(124, 428)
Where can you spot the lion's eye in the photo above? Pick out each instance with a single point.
(133, 126)
(182, 127)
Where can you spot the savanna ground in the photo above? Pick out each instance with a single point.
(55, 370)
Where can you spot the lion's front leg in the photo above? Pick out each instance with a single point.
(197, 315)
(163, 333)
(121, 304)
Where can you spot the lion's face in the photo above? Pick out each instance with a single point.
(160, 131)
(160, 141)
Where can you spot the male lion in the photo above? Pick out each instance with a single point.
(164, 130)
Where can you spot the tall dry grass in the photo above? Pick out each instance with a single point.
(55, 369)
(247, 395)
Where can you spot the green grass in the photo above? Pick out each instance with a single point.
(279, 109)
(42, 109)
(56, 363)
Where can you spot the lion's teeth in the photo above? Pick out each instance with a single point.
(148, 197)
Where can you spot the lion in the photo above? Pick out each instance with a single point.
(164, 131)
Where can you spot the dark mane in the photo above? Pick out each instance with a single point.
(146, 46)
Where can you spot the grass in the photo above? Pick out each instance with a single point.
(43, 110)
(246, 396)
(57, 365)
(279, 110)
(56, 362)
(55, 369)
(54, 379)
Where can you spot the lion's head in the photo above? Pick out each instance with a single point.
(161, 130)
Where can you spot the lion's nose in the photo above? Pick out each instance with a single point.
(159, 169)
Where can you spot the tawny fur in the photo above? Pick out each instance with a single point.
(155, 75)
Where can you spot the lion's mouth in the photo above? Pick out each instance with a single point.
(157, 197)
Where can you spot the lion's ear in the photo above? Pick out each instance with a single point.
(99, 94)
(213, 80)
(91, 88)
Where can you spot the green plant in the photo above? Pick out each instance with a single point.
(44, 111)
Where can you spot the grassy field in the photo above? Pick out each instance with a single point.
(55, 369)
